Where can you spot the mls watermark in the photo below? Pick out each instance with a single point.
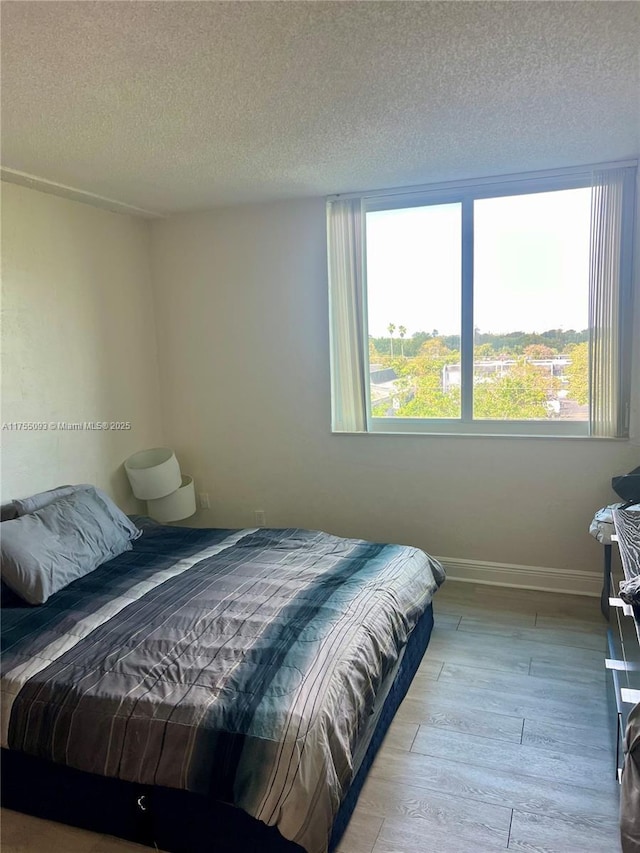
(64, 426)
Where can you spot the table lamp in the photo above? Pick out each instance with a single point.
(155, 477)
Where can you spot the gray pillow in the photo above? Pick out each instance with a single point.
(44, 551)
(7, 512)
(26, 506)
(33, 503)
(119, 519)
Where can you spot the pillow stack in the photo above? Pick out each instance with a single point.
(59, 536)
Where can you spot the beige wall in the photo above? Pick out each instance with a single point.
(78, 342)
(241, 308)
(241, 298)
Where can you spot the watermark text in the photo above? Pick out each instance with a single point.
(64, 426)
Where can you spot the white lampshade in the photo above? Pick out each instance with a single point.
(179, 504)
(153, 473)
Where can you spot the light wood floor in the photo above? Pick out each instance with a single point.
(501, 743)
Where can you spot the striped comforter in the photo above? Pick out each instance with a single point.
(238, 664)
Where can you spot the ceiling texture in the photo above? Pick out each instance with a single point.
(173, 106)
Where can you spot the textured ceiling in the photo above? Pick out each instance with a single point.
(186, 105)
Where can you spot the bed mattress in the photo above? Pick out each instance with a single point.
(239, 666)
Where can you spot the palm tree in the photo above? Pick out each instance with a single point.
(402, 331)
(391, 329)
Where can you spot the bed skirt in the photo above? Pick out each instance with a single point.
(180, 821)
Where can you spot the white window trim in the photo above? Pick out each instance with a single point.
(465, 193)
(453, 426)
(585, 171)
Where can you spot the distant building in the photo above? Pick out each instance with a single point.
(383, 387)
(384, 384)
(486, 369)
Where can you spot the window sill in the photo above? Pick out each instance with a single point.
(497, 427)
(493, 435)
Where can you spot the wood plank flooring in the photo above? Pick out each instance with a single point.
(502, 742)
(511, 749)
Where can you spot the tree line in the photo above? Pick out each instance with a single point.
(508, 343)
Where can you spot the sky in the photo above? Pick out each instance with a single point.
(531, 265)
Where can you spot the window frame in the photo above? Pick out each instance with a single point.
(465, 194)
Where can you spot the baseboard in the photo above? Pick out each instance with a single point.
(523, 577)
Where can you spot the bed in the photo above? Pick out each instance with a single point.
(213, 690)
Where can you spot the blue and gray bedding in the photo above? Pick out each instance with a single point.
(242, 665)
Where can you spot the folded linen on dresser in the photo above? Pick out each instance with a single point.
(630, 591)
(602, 527)
(627, 522)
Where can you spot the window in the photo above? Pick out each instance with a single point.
(499, 307)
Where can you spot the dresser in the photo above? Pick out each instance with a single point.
(623, 665)
(623, 660)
